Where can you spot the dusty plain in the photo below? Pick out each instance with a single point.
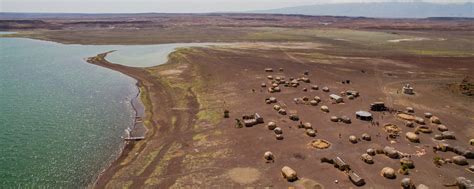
(190, 144)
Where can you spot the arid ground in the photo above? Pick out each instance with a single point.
(191, 145)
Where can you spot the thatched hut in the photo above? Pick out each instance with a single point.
(294, 117)
(406, 183)
(271, 90)
(464, 183)
(346, 120)
(315, 87)
(419, 120)
(460, 160)
(307, 125)
(313, 103)
(366, 137)
(305, 98)
(325, 89)
(410, 109)
(388, 172)
(412, 137)
(391, 152)
(442, 128)
(310, 132)
(289, 174)
(428, 115)
(268, 69)
(271, 125)
(317, 98)
(367, 158)
(279, 136)
(407, 162)
(269, 156)
(334, 119)
(325, 109)
(438, 137)
(294, 83)
(448, 135)
(353, 139)
(278, 130)
(371, 151)
(435, 120)
(282, 111)
(272, 99)
(305, 79)
(276, 89)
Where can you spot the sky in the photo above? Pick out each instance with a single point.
(167, 6)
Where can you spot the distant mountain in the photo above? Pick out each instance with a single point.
(381, 10)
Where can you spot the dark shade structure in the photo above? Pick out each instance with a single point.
(363, 115)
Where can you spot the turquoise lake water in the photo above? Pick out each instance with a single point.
(147, 55)
(61, 118)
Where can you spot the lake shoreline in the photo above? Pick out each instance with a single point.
(135, 147)
(138, 109)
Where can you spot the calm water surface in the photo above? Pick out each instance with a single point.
(148, 55)
(60, 118)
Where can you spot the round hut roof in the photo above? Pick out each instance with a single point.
(363, 114)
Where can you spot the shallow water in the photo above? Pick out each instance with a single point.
(147, 55)
(60, 118)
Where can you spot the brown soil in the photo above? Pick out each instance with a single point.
(191, 145)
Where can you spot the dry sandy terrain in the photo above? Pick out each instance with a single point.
(190, 145)
(193, 146)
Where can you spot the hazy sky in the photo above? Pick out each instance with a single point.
(191, 6)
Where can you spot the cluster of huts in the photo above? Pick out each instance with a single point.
(411, 120)
(281, 80)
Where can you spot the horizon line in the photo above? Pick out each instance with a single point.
(253, 11)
